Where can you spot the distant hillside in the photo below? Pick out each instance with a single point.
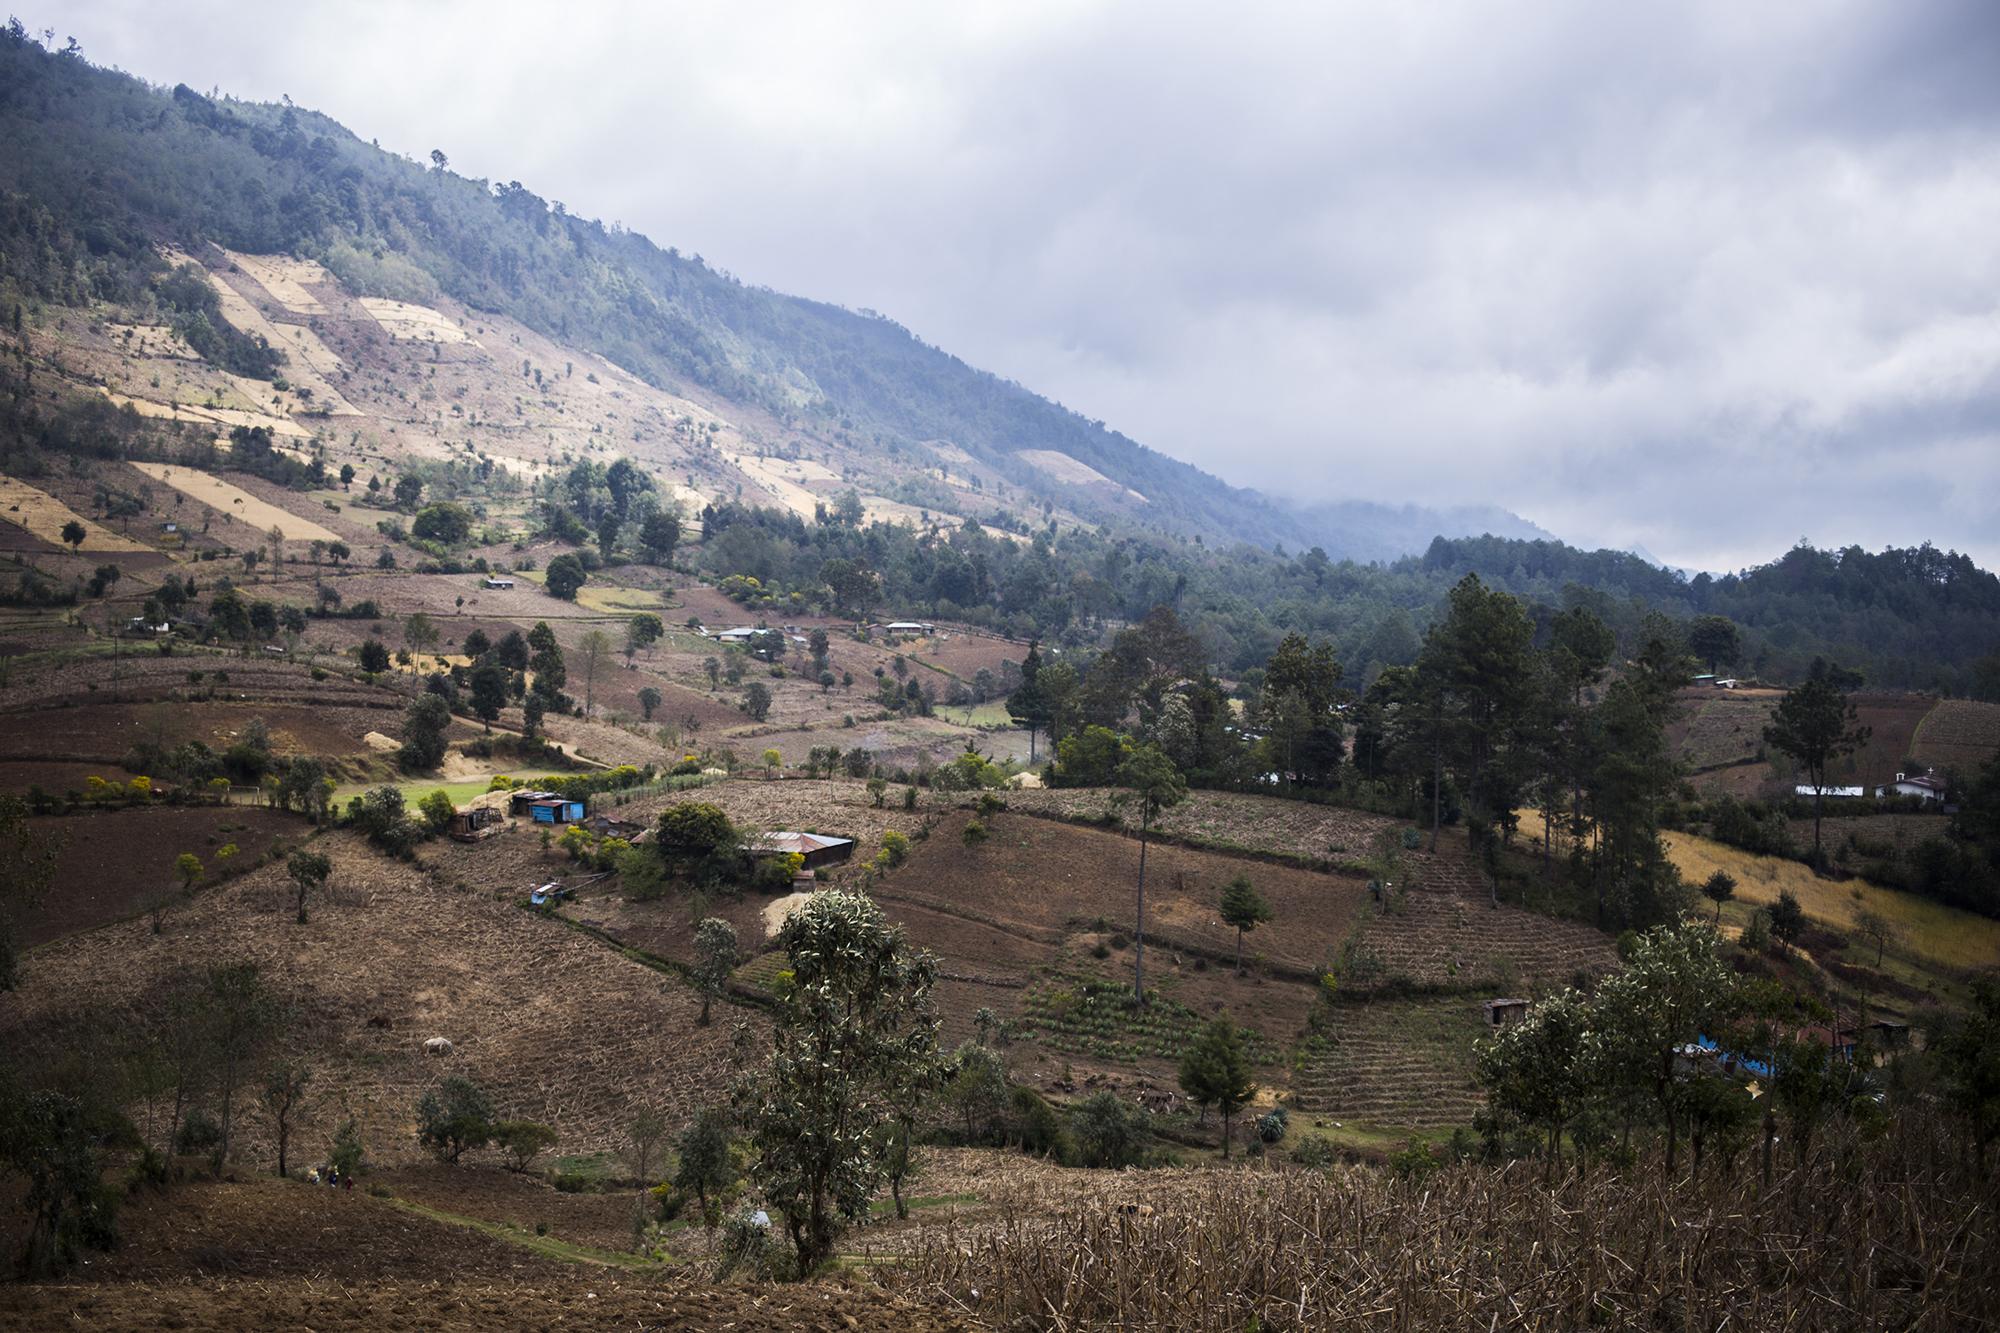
(97, 168)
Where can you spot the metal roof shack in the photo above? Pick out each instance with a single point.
(818, 849)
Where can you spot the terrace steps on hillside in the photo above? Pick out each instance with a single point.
(1393, 1063)
(1443, 931)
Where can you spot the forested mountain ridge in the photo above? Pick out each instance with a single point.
(98, 169)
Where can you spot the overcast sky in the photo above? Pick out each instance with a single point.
(1698, 278)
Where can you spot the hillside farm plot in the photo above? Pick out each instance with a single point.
(220, 416)
(415, 323)
(557, 1027)
(1074, 472)
(44, 516)
(259, 515)
(1719, 729)
(1958, 734)
(111, 863)
(285, 278)
(1394, 1062)
(1265, 825)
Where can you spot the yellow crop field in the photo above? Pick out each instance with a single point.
(1930, 931)
(44, 516)
(258, 515)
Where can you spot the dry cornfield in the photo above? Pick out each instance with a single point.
(1881, 1235)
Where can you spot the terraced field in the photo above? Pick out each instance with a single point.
(1444, 931)
(1394, 1062)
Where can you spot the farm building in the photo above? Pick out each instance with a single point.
(1502, 1013)
(555, 810)
(910, 627)
(545, 807)
(740, 634)
(818, 849)
(1830, 793)
(604, 826)
(498, 581)
(1925, 786)
(479, 822)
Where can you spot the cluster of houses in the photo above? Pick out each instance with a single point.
(743, 633)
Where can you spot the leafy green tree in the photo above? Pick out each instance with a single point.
(546, 662)
(1156, 785)
(715, 958)
(565, 576)
(1672, 989)
(1091, 757)
(1028, 705)
(309, 871)
(1788, 918)
(1817, 726)
(1716, 641)
(978, 1090)
(1719, 888)
(374, 655)
(1215, 1071)
(1245, 909)
(347, 1151)
(649, 700)
(425, 723)
(857, 1016)
(1534, 1069)
(446, 523)
(1107, 1132)
(773, 761)
(757, 700)
(489, 692)
(705, 1166)
(73, 533)
(695, 839)
(659, 534)
(453, 1118)
(1878, 930)
(188, 866)
(523, 1141)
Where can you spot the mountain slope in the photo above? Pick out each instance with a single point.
(97, 168)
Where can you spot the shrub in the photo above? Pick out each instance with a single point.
(975, 833)
(1271, 1125)
(523, 1141)
(437, 811)
(895, 850)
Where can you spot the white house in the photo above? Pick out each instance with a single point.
(1807, 789)
(909, 627)
(1925, 786)
(741, 634)
(499, 581)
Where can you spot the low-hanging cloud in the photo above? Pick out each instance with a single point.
(1699, 278)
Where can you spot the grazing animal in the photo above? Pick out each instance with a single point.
(437, 1046)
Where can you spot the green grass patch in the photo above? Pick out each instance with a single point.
(548, 1246)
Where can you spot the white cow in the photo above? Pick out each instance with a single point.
(438, 1046)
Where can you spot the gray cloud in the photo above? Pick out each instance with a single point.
(1703, 278)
